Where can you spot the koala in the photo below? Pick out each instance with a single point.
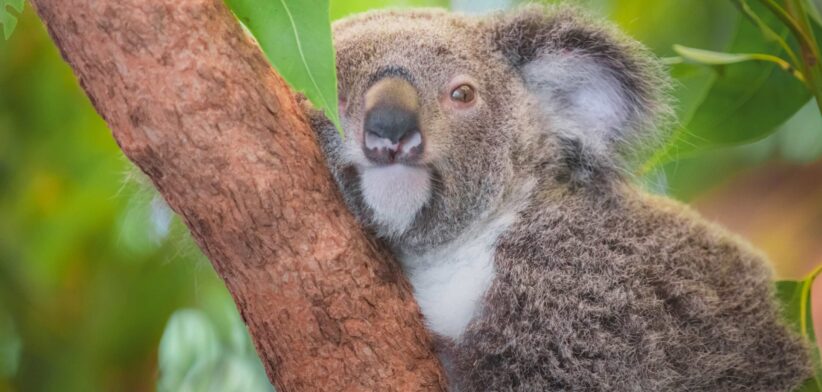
(493, 154)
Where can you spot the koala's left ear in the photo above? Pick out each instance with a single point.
(592, 83)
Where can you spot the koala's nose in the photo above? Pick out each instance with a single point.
(391, 123)
(391, 128)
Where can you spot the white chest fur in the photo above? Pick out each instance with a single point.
(450, 281)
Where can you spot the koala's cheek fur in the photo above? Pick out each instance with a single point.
(395, 194)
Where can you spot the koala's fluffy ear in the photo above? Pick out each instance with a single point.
(592, 83)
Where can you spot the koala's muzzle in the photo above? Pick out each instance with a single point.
(391, 131)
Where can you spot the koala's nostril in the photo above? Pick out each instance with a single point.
(390, 122)
(412, 143)
(391, 135)
(374, 141)
(407, 149)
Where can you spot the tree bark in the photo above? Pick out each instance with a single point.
(192, 102)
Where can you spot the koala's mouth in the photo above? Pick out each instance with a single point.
(395, 194)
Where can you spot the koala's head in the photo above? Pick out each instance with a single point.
(445, 115)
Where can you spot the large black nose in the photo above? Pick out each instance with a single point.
(390, 122)
(391, 129)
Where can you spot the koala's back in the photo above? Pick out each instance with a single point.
(629, 292)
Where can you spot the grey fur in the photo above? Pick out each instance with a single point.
(599, 286)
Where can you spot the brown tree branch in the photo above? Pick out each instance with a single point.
(194, 104)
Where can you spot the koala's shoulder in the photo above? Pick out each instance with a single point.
(633, 232)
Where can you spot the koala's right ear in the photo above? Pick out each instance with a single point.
(592, 83)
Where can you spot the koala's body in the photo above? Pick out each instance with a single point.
(490, 153)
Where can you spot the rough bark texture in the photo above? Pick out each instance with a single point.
(195, 105)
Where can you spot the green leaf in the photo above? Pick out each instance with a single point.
(795, 298)
(767, 32)
(7, 19)
(709, 57)
(746, 101)
(296, 37)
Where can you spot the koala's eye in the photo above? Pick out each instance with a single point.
(464, 94)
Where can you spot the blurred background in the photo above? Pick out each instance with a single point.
(101, 289)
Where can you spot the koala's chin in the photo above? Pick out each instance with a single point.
(395, 194)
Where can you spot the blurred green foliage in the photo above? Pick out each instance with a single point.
(7, 19)
(201, 353)
(90, 268)
(101, 288)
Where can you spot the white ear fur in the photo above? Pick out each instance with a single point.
(579, 97)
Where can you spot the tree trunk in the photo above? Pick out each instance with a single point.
(192, 101)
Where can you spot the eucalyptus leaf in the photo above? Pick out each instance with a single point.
(719, 58)
(296, 37)
(746, 102)
(795, 298)
(7, 19)
(710, 57)
(767, 32)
